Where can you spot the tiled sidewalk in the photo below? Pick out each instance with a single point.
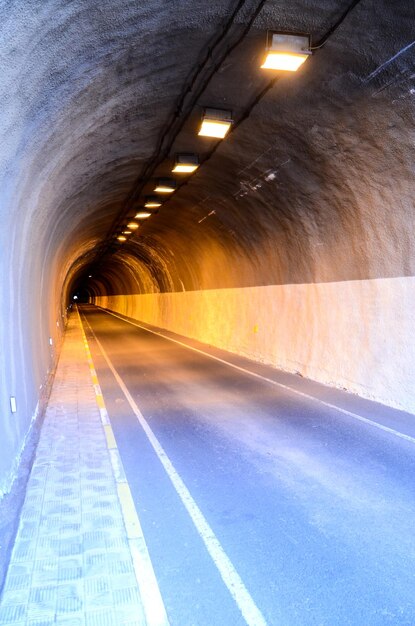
(71, 562)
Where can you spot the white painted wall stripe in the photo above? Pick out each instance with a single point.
(329, 405)
(230, 576)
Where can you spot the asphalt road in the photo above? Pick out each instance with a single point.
(313, 508)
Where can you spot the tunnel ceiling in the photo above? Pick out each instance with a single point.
(98, 97)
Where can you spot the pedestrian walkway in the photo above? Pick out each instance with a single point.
(72, 562)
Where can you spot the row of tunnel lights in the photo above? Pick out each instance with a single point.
(284, 51)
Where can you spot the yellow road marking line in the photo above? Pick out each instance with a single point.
(230, 577)
(131, 520)
(100, 401)
(153, 604)
(109, 435)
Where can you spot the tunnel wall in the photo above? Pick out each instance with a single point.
(31, 326)
(355, 335)
(84, 90)
(313, 192)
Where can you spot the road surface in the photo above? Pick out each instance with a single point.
(270, 505)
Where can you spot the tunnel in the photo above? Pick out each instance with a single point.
(290, 245)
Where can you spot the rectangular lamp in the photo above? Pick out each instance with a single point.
(286, 52)
(152, 202)
(165, 185)
(186, 163)
(215, 123)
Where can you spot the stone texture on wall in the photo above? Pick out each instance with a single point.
(357, 335)
(315, 186)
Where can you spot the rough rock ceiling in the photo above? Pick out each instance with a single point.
(296, 193)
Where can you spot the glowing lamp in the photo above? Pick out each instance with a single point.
(152, 202)
(215, 123)
(121, 238)
(165, 185)
(142, 215)
(286, 52)
(126, 232)
(132, 225)
(186, 163)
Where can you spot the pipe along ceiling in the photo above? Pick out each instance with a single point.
(292, 242)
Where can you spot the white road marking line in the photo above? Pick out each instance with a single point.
(117, 466)
(230, 576)
(104, 416)
(152, 601)
(355, 416)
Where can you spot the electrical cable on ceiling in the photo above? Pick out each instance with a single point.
(213, 71)
(335, 26)
(271, 84)
(268, 87)
(162, 154)
(179, 116)
(191, 81)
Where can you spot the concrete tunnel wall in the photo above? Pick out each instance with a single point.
(324, 340)
(293, 244)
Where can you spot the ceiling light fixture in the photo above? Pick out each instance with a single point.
(152, 202)
(132, 225)
(126, 232)
(186, 163)
(215, 123)
(142, 215)
(165, 185)
(121, 238)
(286, 51)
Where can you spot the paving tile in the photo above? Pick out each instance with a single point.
(70, 573)
(94, 539)
(69, 604)
(69, 547)
(37, 617)
(13, 583)
(28, 529)
(71, 564)
(123, 581)
(100, 618)
(121, 566)
(70, 621)
(130, 616)
(44, 573)
(127, 596)
(24, 550)
(114, 542)
(70, 529)
(97, 585)
(48, 546)
(43, 598)
(18, 596)
(11, 613)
